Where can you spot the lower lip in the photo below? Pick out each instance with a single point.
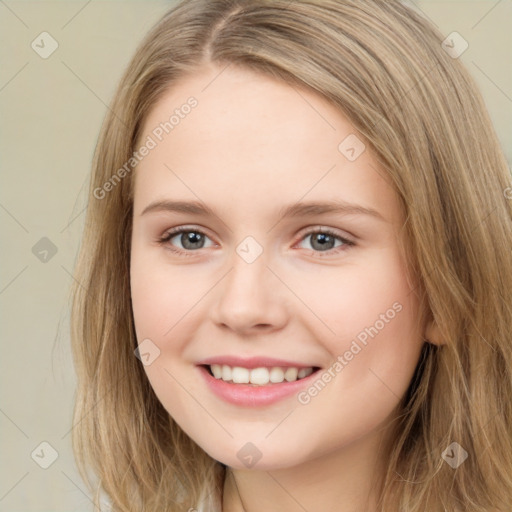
(247, 395)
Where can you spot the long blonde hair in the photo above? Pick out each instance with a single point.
(383, 66)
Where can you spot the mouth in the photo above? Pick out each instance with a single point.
(260, 376)
(256, 381)
(256, 387)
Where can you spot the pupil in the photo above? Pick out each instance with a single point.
(323, 240)
(190, 239)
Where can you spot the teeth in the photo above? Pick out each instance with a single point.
(291, 374)
(305, 372)
(226, 372)
(216, 370)
(258, 376)
(240, 375)
(276, 375)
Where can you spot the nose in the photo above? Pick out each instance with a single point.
(251, 299)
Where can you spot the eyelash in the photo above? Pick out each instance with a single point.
(165, 239)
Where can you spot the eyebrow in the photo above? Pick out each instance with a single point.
(293, 210)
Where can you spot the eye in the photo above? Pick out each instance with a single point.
(324, 241)
(190, 239)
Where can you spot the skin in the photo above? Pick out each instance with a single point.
(252, 146)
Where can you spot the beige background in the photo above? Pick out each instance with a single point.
(51, 111)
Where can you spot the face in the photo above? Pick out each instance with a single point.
(304, 314)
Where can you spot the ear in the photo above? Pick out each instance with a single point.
(432, 334)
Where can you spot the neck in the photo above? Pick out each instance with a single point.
(345, 480)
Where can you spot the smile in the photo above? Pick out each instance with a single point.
(256, 381)
(258, 376)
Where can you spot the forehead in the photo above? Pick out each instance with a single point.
(238, 108)
(250, 136)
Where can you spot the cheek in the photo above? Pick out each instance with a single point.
(163, 314)
(380, 345)
(385, 327)
(161, 297)
(355, 300)
(372, 313)
(361, 389)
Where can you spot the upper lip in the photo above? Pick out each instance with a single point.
(253, 362)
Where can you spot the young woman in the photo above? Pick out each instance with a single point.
(295, 277)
